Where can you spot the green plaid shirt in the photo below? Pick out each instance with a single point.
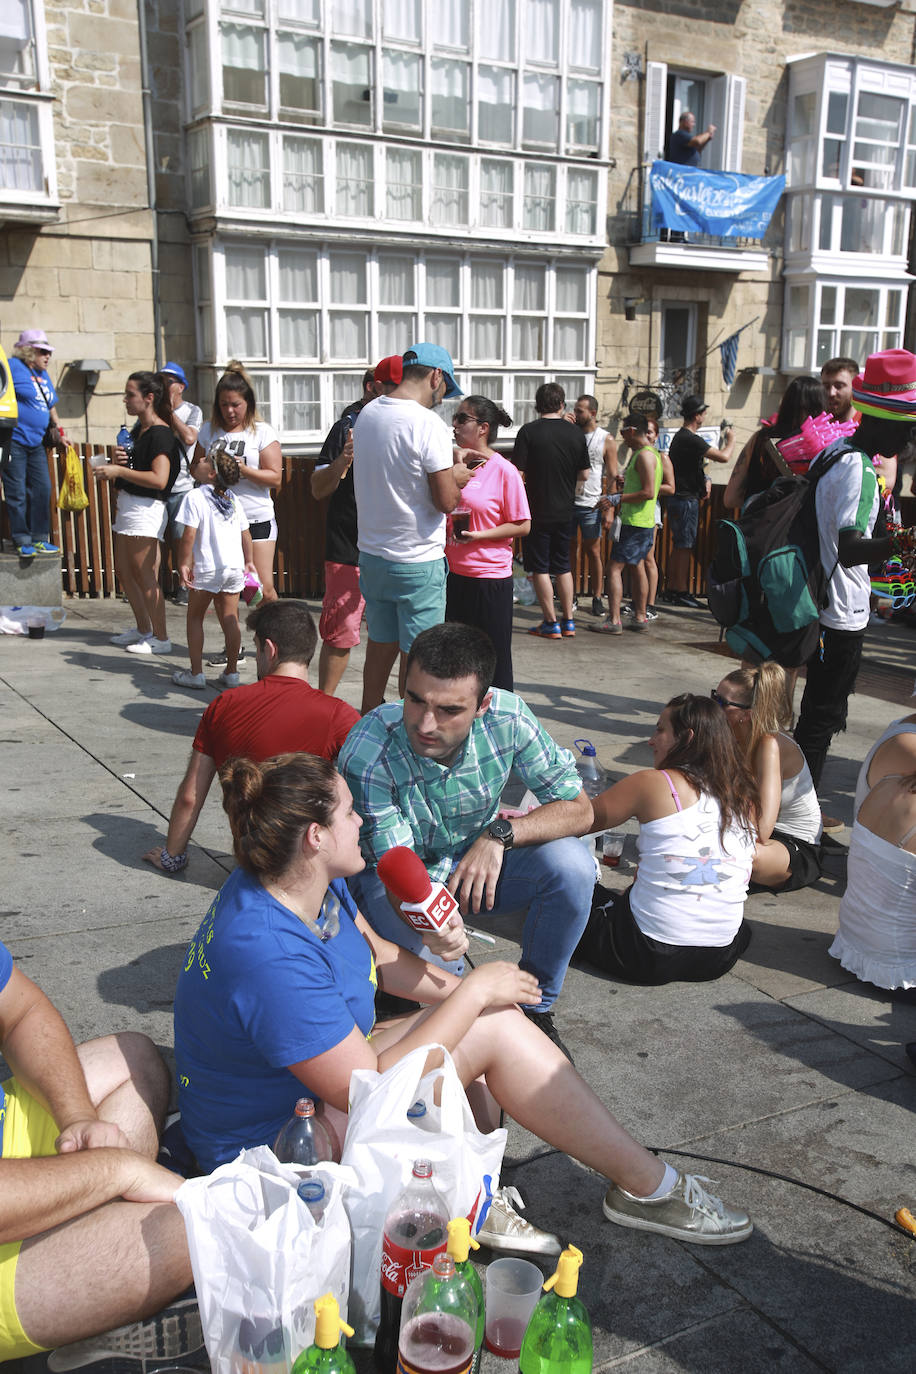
(439, 812)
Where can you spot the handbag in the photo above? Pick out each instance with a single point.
(380, 1147)
(72, 495)
(260, 1259)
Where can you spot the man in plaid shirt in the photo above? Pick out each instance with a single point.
(428, 773)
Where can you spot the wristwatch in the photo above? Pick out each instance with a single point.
(502, 830)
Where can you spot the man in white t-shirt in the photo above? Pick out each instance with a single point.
(602, 459)
(406, 482)
(847, 506)
(186, 423)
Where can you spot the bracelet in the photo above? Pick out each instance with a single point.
(173, 863)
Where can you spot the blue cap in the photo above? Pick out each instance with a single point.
(175, 370)
(432, 355)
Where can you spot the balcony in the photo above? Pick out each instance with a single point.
(692, 203)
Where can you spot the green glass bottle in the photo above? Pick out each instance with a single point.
(459, 1244)
(559, 1335)
(438, 1322)
(326, 1355)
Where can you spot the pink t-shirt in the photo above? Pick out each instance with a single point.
(496, 496)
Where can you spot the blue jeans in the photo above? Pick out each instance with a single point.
(554, 881)
(27, 488)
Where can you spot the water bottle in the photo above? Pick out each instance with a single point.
(326, 1355)
(559, 1335)
(414, 1234)
(438, 1322)
(124, 441)
(417, 1111)
(312, 1192)
(304, 1139)
(595, 780)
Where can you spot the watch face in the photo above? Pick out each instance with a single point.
(501, 830)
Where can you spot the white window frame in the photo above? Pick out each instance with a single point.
(727, 96)
(34, 93)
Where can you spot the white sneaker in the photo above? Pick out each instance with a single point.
(172, 1334)
(504, 1229)
(132, 636)
(152, 645)
(183, 678)
(228, 679)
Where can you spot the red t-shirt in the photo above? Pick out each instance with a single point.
(278, 715)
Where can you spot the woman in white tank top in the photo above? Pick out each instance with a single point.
(755, 704)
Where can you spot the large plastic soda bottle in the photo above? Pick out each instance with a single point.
(415, 1233)
(559, 1335)
(124, 440)
(326, 1355)
(304, 1139)
(438, 1322)
(460, 1241)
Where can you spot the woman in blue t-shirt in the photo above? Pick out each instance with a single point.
(277, 993)
(26, 479)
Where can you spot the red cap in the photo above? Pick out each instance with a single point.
(390, 370)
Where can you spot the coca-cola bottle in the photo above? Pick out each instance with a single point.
(415, 1233)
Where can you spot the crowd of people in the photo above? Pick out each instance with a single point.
(306, 967)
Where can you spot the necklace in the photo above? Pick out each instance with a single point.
(328, 923)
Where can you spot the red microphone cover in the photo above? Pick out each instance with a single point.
(404, 874)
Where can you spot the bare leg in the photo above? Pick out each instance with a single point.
(402, 675)
(771, 864)
(678, 570)
(144, 554)
(652, 572)
(376, 672)
(564, 583)
(595, 568)
(332, 664)
(129, 1085)
(263, 557)
(639, 586)
(227, 612)
(614, 591)
(544, 593)
(127, 576)
(198, 604)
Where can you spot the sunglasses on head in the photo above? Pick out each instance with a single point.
(724, 701)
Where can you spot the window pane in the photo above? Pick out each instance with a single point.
(396, 280)
(540, 120)
(538, 210)
(542, 30)
(445, 330)
(246, 332)
(246, 274)
(569, 340)
(300, 84)
(585, 34)
(581, 201)
(198, 158)
(354, 180)
(878, 131)
(352, 17)
(582, 113)
(572, 289)
(16, 42)
(199, 53)
(894, 302)
(303, 183)
(261, 382)
(248, 169)
(396, 333)
(351, 83)
(495, 104)
(202, 273)
(804, 111)
(528, 340)
(301, 409)
(450, 108)
(298, 274)
(862, 225)
(348, 278)
(861, 307)
(487, 285)
(528, 291)
(486, 337)
(497, 30)
(496, 194)
(20, 147)
(244, 70)
(450, 27)
(488, 384)
(797, 313)
(404, 198)
(837, 107)
(443, 282)
(349, 333)
(346, 387)
(449, 203)
(828, 305)
(401, 19)
(299, 333)
(301, 11)
(523, 410)
(401, 99)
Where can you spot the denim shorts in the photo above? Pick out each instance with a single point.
(633, 543)
(588, 520)
(401, 598)
(683, 513)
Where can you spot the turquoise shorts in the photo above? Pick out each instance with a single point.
(29, 1132)
(401, 598)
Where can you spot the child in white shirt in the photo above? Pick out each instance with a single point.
(214, 555)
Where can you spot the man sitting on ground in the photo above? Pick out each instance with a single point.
(281, 713)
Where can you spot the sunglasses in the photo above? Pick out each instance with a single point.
(45, 351)
(462, 418)
(725, 703)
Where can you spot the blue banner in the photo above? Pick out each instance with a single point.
(729, 205)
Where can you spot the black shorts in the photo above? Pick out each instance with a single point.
(546, 548)
(804, 863)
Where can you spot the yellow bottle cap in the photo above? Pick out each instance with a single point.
(460, 1239)
(328, 1324)
(566, 1277)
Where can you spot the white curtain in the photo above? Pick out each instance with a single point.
(303, 11)
(581, 194)
(528, 291)
(542, 30)
(403, 198)
(401, 78)
(569, 340)
(487, 285)
(246, 274)
(351, 17)
(302, 175)
(446, 330)
(450, 190)
(571, 286)
(540, 118)
(495, 104)
(396, 332)
(248, 168)
(451, 24)
(401, 19)
(354, 180)
(348, 334)
(487, 384)
(350, 70)
(299, 333)
(443, 282)
(496, 190)
(298, 272)
(486, 337)
(449, 85)
(242, 47)
(540, 192)
(585, 34)
(396, 280)
(527, 341)
(301, 409)
(348, 279)
(246, 333)
(20, 153)
(497, 30)
(582, 113)
(298, 54)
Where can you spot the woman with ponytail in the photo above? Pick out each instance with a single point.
(754, 702)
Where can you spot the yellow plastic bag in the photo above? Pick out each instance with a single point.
(72, 492)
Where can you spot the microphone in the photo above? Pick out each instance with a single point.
(426, 905)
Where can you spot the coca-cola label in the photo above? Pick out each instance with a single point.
(399, 1266)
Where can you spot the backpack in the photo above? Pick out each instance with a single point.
(766, 582)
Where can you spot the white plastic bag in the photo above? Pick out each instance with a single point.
(15, 620)
(260, 1260)
(381, 1145)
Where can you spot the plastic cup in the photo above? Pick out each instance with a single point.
(513, 1289)
(461, 522)
(36, 629)
(612, 842)
(98, 460)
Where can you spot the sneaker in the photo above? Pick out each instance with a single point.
(568, 629)
(41, 547)
(26, 550)
(640, 625)
(219, 660)
(626, 612)
(688, 599)
(504, 1229)
(651, 613)
(609, 627)
(548, 629)
(597, 606)
(173, 1334)
(131, 636)
(151, 645)
(181, 597)
(182, 677)
(227, 679)
(688, 1212)
(544, 1021)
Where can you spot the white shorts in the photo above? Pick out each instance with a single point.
(215, 580)
(140, 516)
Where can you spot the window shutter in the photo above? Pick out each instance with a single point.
(733, 133)
(653, 139)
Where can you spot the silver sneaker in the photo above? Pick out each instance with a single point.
(688, 1212)
(504, 1229)
(172, 1334)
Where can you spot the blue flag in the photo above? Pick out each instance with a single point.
(725, 204)
(728, 352)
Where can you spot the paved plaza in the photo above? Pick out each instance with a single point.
(786, 1081)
